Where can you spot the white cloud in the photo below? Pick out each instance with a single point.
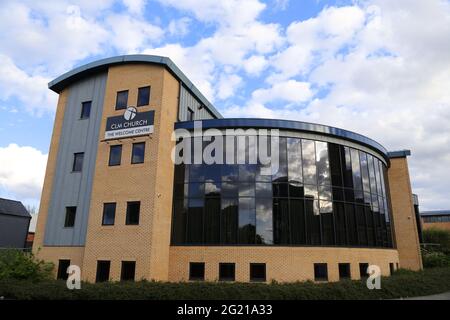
(130, 34)
(22, 171)
(228, 83)
(255, 64)
(290, 91)
(31, 90)
(179, 27)
(135, 6)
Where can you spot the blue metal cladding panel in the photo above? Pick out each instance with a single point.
(74, 188)
(288, 125)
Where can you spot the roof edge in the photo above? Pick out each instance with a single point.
(59, 83)
(288, 125)
(399, 154)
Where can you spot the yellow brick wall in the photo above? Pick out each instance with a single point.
(404, 220)
(134, 182)
(284, 264)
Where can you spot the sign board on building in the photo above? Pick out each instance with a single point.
(130, 124)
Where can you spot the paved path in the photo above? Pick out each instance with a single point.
(441, 296)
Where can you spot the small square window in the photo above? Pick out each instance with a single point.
(226, 271)
(363, 270)
(320, 272)
(190, 114)
(197, 271)
(133, 209)
(344, 270)
(77, 161)
(122, 100)
(102, 271)
(86, 110)
(62, 269)
(391, 268)
(257, 272)
(138, 153)
(115, 155)
(128, 271)
(143, 96)
(71, 212)
(109, 214)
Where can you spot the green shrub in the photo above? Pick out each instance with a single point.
(15, 264)
(439, 237)
(403, 283)
(435, 259)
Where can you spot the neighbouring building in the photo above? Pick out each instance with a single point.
(115, 203)
(437, 219)
(14, 224)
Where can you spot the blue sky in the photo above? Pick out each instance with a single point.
(377, 67)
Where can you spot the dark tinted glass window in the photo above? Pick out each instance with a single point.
(309, 162)
(226, 271)
(257, 272)
(327, 223)
(197, 271)
(335, 164)
(69, 221)
(297, 221)
(281, 175)
(133, 209)
(138, 152)
(340, 223)
(320, 272)
(143, 96)
(363, 270)
(295, 171)
(323, 164)
(351, 224)
(229, 221)
(62, 269)
(247, 221)
(109, 214)
(102, 271)
(312, 221)
(344, 270)
(128, 270)
(281, 221)
(361, 225)
(115, 155)
(85, 110)
(195, 221)
(122, 100)
(77, 161)
(179, 221)
(212, 221)
(264, 221)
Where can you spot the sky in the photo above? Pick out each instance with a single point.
(377, 67)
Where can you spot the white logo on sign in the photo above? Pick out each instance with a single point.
(130, 113)
(74, 278)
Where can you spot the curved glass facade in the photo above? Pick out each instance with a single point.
(323, 194)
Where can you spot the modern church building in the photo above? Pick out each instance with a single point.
(118, 203)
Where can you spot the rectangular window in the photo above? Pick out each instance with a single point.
(86, 110)
(62, 269)
(115, 155)
(143, 96)
(294, 154)
(257, 272)
(344, 271)
(69, 222)
(122, 100)
(229, 220)
(138, 153)
(391, 268)
(197, 271)
(320, 272)
(226, 271)
(363, 270)
(109, 214)
(102, 271)
(77, 161)
(133, 208)
(190, 114)
(247, 221)
(128, 270)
